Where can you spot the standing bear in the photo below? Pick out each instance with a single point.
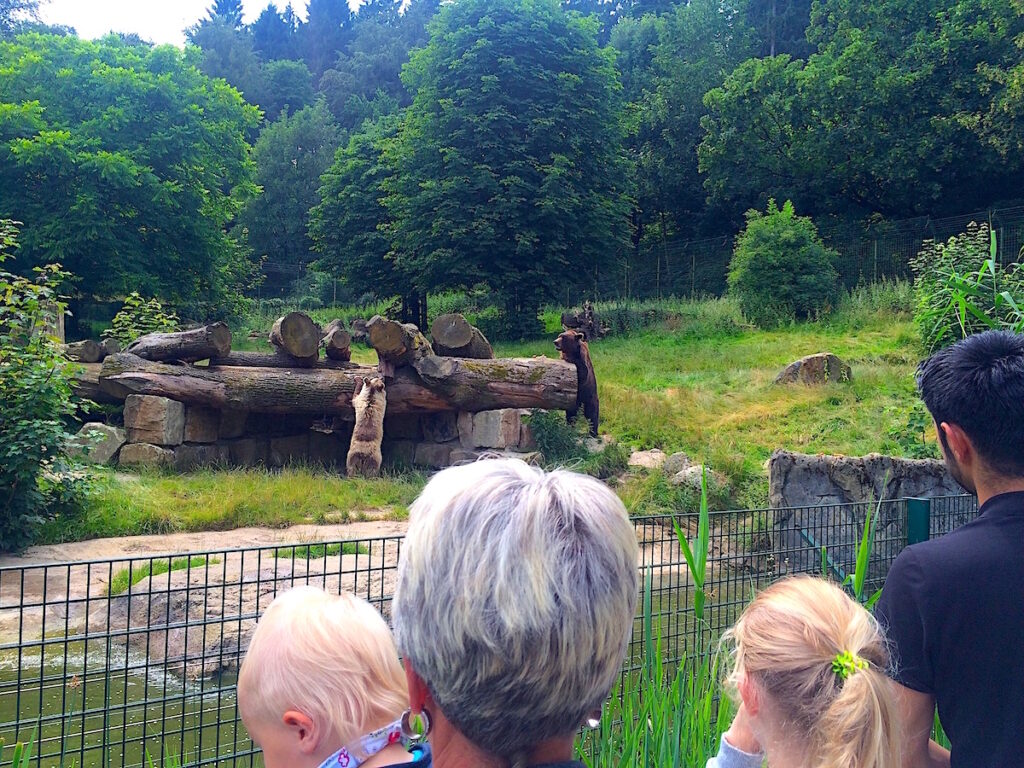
(572, 347)
(369, 400)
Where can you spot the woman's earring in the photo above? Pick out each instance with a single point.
(411, 734)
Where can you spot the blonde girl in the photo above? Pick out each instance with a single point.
(810, 675)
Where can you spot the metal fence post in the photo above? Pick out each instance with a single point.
(919, 516)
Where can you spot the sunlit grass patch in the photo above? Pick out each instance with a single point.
(126, 578)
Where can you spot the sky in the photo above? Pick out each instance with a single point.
(159, 21)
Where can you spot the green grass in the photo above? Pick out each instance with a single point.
(309, 551)
(153, 502)
(126, 578)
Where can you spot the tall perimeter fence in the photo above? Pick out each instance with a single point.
(132, 662)
(867, 254)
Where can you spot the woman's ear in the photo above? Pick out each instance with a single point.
(418, 690)
(749, 694)
(303, 731)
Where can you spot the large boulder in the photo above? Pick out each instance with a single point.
(145, 455)
(202, 425)
(498, 429)
(96, 443)
(822, 501)
(154, 420)
(652, 459)
(822, 368)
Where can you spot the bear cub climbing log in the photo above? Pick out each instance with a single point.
(572, 347)
(369, 400)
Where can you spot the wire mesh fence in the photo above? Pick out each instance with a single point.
(117, 663)
(867, 254)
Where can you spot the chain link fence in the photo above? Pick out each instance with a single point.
(117, 663)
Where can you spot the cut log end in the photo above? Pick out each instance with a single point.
(297, 335)
(454, 336)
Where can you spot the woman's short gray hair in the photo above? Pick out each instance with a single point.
(515, 601)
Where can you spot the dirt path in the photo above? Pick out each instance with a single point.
(120, 548)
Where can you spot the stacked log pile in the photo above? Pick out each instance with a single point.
(191, 401)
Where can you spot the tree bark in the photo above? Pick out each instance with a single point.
(86, 384)
(453, 336)
(87, 351)
(276, 359)
(337, 342)
(484, 385)
(450, 384)
(397, 344)
(297, 335)
(184, 346)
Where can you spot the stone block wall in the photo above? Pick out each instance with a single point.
(160, 432)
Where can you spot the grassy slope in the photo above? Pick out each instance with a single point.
(701, 384)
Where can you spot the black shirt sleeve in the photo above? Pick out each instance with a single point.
(901, 611)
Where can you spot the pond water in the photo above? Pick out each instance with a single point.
(113, 712)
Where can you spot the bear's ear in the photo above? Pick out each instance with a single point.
(359, 385)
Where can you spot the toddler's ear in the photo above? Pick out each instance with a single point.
(303, 731)
(749, 694)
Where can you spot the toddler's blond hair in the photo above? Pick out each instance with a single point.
(787, 639)
(330, 657)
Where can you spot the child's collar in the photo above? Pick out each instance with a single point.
(352, 755)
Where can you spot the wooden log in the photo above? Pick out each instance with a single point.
(87, 351)
(357, 329)
(484, 385)
(297, 335)
(112, 346)
(453, 385)
(277, 359)
(397, 344)
(184, 346)
(337, 342)
(86, 384)
(453, 336)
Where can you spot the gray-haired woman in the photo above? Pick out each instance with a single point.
(515, 602)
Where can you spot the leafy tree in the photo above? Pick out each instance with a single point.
(780, 269)
(228, 11)
(15, 12)
(127, 164)
(326, 32)
(348, 227)
(291, 155)
(273, 34)
(227, 53)
(884, 117)
(781, 26)
(35, 397)
(284, 86)
(509, 167)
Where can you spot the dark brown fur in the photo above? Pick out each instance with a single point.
(572, 347)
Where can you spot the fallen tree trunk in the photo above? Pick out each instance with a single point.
(86, 384)
(484, 385)
(337, 342)
(87, 351)
(297, 335)
(185, 346)
(397, 344)
(277, 359)
(453, 336)
(452, 385)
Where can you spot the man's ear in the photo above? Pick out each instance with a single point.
(749, 695)
(303, 731)
(957, 441)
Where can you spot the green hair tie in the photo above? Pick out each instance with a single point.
(846, 663)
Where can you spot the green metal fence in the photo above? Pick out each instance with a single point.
(106, 662)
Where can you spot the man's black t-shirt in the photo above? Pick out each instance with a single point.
(953, 608)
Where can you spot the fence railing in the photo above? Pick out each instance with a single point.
(111, 663)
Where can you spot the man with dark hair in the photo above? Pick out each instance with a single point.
(954, 606)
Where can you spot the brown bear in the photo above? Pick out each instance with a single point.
(369, 400)
(572, 346)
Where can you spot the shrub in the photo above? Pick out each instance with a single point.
(780, 269)
(139, 317)
(36, 481)
(961, 289)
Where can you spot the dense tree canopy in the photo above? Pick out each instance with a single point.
(126, 164)
(509, 167)
(290, 155)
